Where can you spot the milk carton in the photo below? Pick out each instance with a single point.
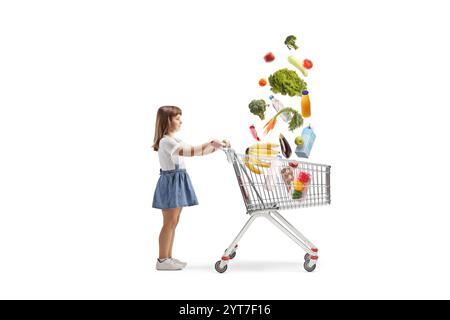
(308, 136)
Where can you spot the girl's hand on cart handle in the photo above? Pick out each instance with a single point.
(220, 144)
(217, 144)
(226, 144)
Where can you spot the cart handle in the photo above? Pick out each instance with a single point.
(229, 152)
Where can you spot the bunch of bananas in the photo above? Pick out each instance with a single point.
(252, 160)
(263, 150)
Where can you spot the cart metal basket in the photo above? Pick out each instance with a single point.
(269, 185)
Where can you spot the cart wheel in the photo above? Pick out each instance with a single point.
(307, 267)
(232, 255)
(307, 257)
(218, 269)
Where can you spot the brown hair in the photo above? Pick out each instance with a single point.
(163, 120)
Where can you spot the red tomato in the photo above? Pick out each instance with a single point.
(262, 82)
(307, 64)
(269, 57)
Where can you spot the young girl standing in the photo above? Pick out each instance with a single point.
(174, 189)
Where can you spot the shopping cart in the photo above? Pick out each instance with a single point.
(272, 184)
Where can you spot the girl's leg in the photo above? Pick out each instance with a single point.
(173, 234)
(170, 217)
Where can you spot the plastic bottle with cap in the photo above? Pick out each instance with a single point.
(277, 105)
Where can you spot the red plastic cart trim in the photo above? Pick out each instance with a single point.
(315, 250)
(314, 258)
(225, 258)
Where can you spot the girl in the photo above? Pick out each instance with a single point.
(174, 188)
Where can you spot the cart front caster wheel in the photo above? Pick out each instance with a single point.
(219, 269)
(307, 257)
(307, 267)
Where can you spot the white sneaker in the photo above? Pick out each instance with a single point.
(168, 264)
(184, 264)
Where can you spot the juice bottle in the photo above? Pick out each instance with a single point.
(306, 104)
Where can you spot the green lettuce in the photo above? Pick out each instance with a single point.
(287, 82)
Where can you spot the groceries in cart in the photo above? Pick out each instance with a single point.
(293, 164)
(296, 183)
(304, 177)
(300, 186)
(251, 166)
(261, 163)
(308, 137)
(287, 173)
(269, 182)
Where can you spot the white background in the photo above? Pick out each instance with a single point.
(80, 83)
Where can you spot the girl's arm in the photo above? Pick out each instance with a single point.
(201, 150)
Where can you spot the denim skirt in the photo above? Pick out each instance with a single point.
(174, 190)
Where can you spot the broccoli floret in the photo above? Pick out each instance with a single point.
(258, 107)
(290, 42)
